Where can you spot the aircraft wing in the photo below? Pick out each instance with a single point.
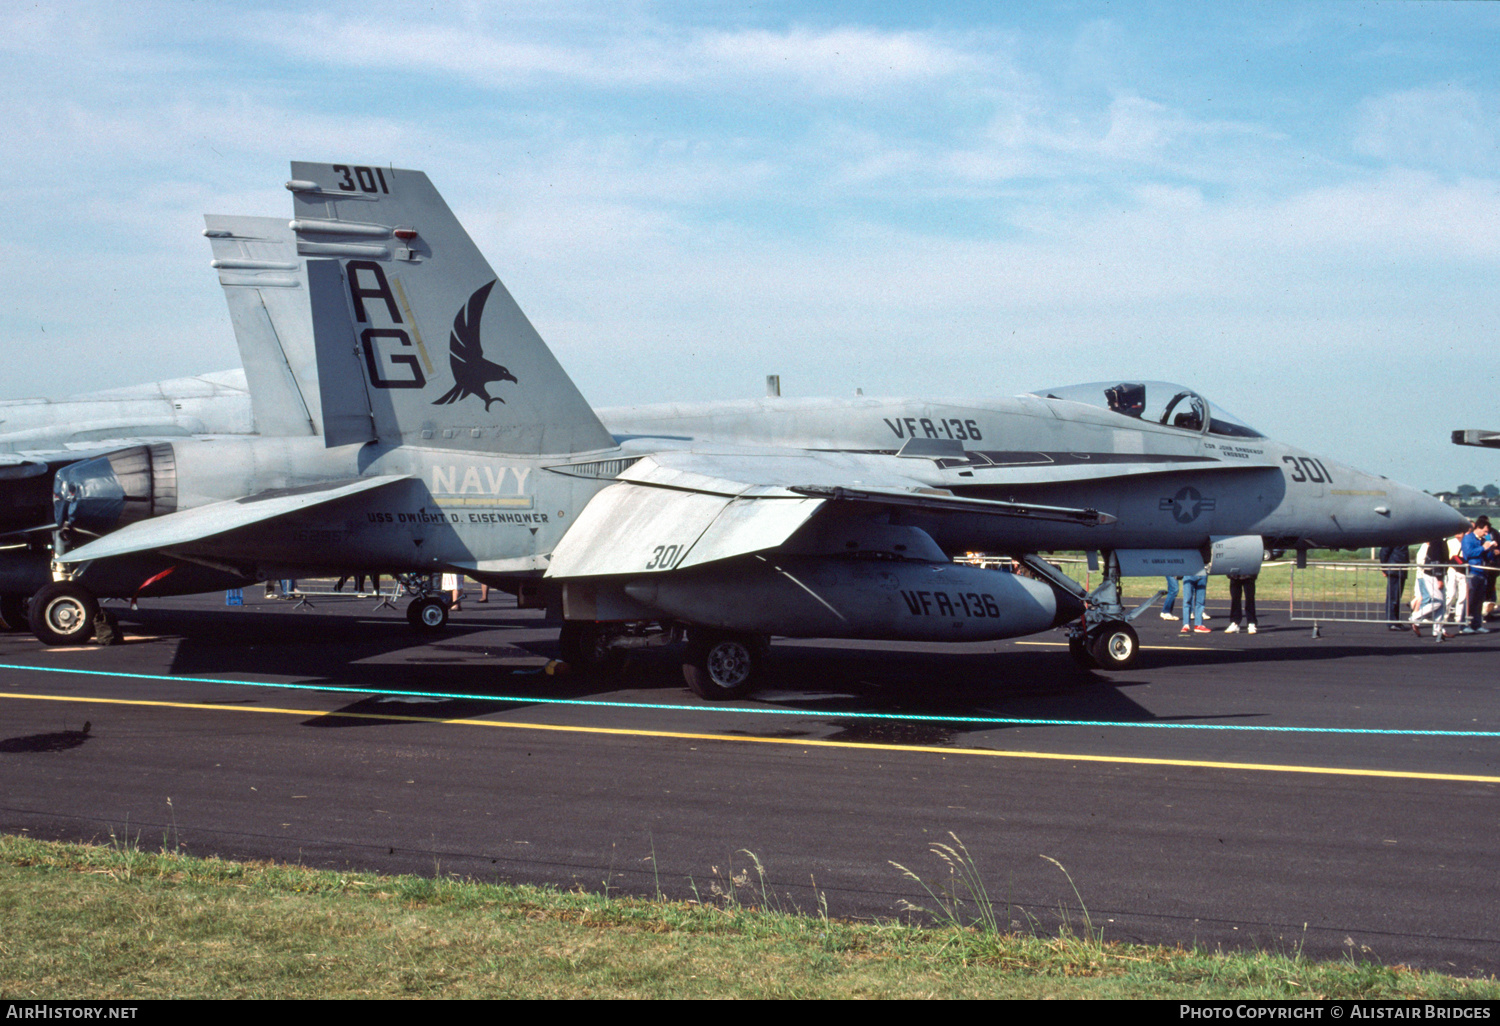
(220, 518)
(681, 509)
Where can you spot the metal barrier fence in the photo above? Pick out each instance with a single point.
(304, 591)
(1351, 592)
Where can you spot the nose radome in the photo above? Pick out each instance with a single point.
(1425, 516)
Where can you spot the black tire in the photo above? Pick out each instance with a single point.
(427, 614)
(721, 665)
(63, 613)
(584, 646)
(1114, 645)
(1078, 648)
(13, 613)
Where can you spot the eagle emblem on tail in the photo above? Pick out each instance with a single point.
(472, 373)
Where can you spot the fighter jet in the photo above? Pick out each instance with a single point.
(1472, 436)
(38, 436)
(264, 283)
(785, 528)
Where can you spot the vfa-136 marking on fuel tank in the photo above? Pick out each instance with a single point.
(783, 521)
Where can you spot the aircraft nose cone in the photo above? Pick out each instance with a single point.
(1423, 517)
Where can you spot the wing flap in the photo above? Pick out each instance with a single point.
(630, 528)
(219, 518)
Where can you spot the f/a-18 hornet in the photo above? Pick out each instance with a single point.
(482, 457)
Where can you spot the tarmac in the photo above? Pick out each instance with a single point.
(1332, 796)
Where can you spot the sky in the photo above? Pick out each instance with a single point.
(1292, 208)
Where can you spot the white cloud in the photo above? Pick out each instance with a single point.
(1445, 127)
(498, 56)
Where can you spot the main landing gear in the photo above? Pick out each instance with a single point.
(724, 664)
(62, 613)
(1112, 645)
(1103, 638)
(427, 613)
(586, 646)
(13, 612)
(716, 664)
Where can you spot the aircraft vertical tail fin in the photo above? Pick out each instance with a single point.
(417, 341)
(265, 286)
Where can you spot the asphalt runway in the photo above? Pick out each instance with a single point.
(1335, 796)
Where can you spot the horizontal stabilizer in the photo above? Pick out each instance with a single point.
(176, 530)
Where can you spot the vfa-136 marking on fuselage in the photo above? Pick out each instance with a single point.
(781, 520)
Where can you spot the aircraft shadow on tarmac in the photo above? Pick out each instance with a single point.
(826, 678)
(339, 650)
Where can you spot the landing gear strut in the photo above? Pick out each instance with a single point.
(1104, 638)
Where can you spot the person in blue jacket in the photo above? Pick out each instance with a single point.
(1476, 545)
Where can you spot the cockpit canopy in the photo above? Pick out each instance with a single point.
(1157, 402)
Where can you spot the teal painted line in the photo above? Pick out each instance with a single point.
(997, 721)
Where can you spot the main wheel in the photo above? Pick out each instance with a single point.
(584, 646)
(62, 613)
(13, 612)
(721, 665)
(427, 614)
(1078, 648)
(1115, 645)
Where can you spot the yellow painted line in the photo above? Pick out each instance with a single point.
(678, 735)
(516, 502)
(416, 331)
(1064, 644)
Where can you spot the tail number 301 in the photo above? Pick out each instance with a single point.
(664, 557)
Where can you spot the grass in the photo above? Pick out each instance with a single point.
(1360, 581)
(113, 921)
